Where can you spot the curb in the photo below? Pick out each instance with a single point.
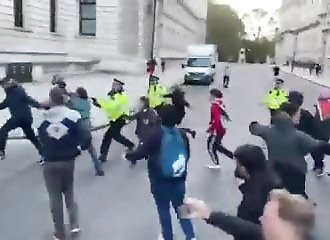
(307, 79)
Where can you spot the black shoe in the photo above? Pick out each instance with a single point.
(133, 164)
(99, 173)
(193, 134)
(2, 155)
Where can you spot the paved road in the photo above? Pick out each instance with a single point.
(119, 206)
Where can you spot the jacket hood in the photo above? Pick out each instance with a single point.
(283, 121)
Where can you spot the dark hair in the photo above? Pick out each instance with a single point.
(296, 97)
(216, 93)
(145, 100)
(289, 108)
(167, 114)
(82, 92)
(251, 157)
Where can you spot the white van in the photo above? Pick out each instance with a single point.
(200, 64)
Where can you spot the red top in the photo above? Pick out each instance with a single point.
(216, 125)
(323, 107)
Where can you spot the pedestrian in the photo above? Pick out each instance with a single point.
(61, 135)
(82, 104)
(287, 147)
(217, 130)
(116, 107)
(226, 76)
(156, 93)
(163, 63)
(285, 216)
(168, 152)
(19, 104)
(309, 125)
(147, 120)
(180, 104)
(276, 70)
(276, 96)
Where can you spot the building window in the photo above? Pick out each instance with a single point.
(87, 23)
(18, 13)
(53, 14)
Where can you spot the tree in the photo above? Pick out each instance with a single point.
(225, 29)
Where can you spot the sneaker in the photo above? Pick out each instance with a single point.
(100, 173)
(55, 237)
(213, 166)
(320, 172)
(133, 164)
(2, 155)
(41, 162)
(160, 237)
(75, 230)
(193, 134)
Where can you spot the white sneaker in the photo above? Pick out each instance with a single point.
(212, 166)
(160, 237)
(75, 230)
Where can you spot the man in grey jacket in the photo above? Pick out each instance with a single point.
(287, 148)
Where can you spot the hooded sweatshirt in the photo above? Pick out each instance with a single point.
(218, 114)
(286, 145)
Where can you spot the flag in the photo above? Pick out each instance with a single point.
(323, 107)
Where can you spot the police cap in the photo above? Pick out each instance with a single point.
(154, 78)
(279, 80)
(115, 80)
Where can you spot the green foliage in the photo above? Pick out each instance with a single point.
(257, 51)
(224, 29)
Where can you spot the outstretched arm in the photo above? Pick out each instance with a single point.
(4, 104)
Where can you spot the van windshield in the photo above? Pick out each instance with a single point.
(198, 62)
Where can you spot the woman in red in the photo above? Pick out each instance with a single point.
(216, 129)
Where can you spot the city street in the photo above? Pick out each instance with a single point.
(119, 206)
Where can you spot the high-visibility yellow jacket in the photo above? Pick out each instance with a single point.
(275, 98)
(115, 106)
(156, 95)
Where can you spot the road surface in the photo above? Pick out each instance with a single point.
(119, 206)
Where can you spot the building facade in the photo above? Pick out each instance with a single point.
(80, 35)
(303, 33)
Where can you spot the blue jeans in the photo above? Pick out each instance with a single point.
(91, 150)
(166, 193)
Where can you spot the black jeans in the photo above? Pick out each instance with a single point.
(114, 132)
(25, 125)
(226, 81)
(214, 145)
(272, 114)
(59, 179)
(293, 180)
(318, 157)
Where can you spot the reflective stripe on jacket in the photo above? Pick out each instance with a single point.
(115, 106)
(156, 95)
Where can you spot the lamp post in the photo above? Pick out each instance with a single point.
(153, 31)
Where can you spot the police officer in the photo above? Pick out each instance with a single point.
(19, 105)
(156, 93)
(116, 107)
(276, 97)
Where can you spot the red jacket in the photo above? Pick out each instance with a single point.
(216, 124)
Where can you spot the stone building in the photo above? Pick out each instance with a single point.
(83, 35)
(303, 33)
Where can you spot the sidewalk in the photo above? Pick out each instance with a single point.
(97, 85)
(304, 73)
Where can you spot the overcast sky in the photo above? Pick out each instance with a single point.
(245, 6)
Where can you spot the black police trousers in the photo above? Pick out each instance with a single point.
(25, 125)
(114, 132)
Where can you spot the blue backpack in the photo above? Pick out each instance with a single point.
(173, 155)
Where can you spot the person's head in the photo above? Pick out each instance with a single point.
(154, 80)
(279, 83)
(57, 96)
(143, 103)
(58, 81)
(292, 110)
(215, 93)
(296, 98)
(82, 93)
(117, 85)
(168, 115)
(288, 216)
(250, 159)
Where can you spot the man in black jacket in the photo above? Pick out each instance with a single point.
(19, 105)
(166, 190)
(308, 124)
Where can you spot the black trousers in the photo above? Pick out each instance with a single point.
(272, 114)
(293, 180)
(114, 132)
(226, 81)
(25, 125)
(318, 157)
(214, 145)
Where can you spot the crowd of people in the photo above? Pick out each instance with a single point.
(274, 205)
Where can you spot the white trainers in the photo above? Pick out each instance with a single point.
(212, 166)
(75, 230)
(160, 237)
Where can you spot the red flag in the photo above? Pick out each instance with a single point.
(323, 106)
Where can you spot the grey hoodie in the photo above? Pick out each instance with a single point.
(286, 145)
